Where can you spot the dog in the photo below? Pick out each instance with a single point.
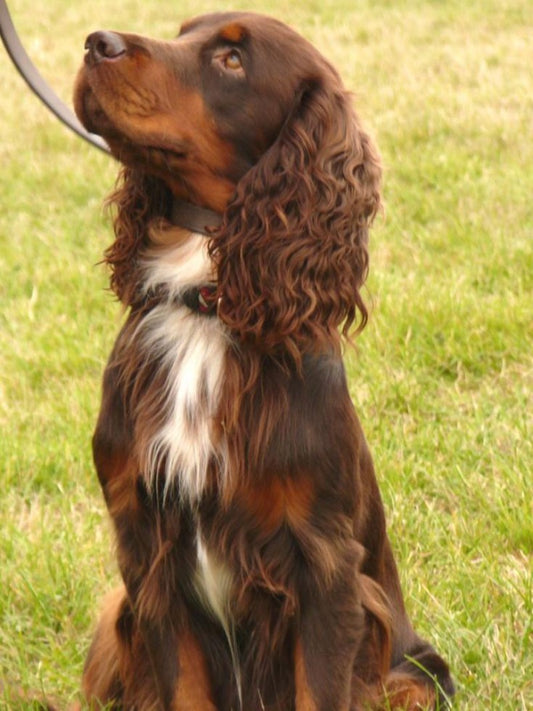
(257, 572)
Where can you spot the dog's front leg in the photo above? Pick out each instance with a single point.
(330, 632)
(179, 669)
(161, 649)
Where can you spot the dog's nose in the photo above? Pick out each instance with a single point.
(105, 46)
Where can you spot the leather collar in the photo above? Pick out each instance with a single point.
(199, 299)
(194, 218)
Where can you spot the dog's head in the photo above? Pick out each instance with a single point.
(200, 110)
(241, 114)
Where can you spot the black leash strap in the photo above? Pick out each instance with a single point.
(37, 84)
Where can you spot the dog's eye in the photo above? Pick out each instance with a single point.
(232, 60)
(228, 61)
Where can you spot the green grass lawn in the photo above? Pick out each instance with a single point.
(442, 377)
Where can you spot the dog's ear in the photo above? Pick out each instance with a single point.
(292, 252)
(136, 200)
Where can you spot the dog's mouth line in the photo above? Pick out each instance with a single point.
(154, 149)
(102, 124)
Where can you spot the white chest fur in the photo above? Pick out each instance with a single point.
(190, 348)
(213, 583)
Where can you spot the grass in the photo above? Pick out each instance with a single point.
(442, 376)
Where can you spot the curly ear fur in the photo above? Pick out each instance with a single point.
(137, 199)
(292, 252)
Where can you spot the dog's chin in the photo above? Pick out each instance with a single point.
(148, 151)
(89, 110)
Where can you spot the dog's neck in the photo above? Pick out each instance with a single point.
(200, 299)
(193, 217)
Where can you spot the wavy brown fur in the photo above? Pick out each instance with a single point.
(292, 254)
(136, 201)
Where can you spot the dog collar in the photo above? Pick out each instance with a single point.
(193, 217)
(199, 299)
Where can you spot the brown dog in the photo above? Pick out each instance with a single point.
(251, 534)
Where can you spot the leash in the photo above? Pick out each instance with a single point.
(37, 84)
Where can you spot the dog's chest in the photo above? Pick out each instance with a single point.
(190, 351)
